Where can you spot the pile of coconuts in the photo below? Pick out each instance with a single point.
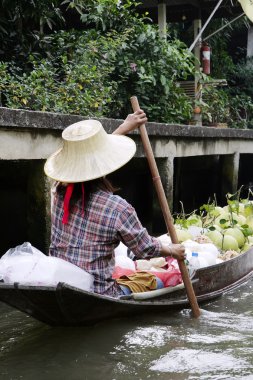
(229, 228)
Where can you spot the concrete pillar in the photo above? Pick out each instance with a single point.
(162, 19)
(48, 202)
(197, 25)
(167, 175)
(166, 171)
(229, 173)
(250, 42)
(38, 216)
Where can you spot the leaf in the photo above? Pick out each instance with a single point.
(163, 80)
(244, 226)
(247, 231)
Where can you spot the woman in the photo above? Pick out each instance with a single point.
(88, 220)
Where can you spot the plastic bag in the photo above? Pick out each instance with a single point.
(207, 251)
(157, 262)
(25, 249)
(124, 262)
(164, 239)
(120, 250)
(28, 266)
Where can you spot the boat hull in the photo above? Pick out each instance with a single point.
(69, 306)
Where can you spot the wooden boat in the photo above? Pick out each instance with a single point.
(69, 306)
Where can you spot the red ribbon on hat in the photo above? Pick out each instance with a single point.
(67, 197)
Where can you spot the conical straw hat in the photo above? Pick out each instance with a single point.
(247, 6)
(88, 153)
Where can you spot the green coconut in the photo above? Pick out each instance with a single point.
(218, 228)
(222, 217)
(249, 221)
(226, 209)
(241, 208)
(248, 209)
(227, 217)
(246, 247)
(237, 234)
(241, 219)
(195, 220)
(217, 211)
(216, 237)
(183, 235)
(229, 243)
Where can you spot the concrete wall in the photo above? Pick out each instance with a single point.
(193, 162)
(37, 134)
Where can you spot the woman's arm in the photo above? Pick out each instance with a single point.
(138, 240)
(177, 251)
(132, 121)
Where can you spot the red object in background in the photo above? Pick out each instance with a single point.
(205, 57)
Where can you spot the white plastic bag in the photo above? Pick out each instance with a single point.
(28, 266)
(164, 239)
(155, 263)
(196, 231)
(124, 262)
(25, 249)
(207, 251)
(121, 250)
(18, 263)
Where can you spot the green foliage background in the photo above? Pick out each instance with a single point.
(94, 71)
(88, 57)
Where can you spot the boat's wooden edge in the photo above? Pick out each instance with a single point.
(62, 287)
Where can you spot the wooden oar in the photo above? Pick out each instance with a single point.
(165, 209)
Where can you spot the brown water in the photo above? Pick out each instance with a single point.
(218, 345)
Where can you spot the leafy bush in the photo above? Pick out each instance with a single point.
(150, 68)
(95, 74)
(118, 54)
(216, 107)
(69, 83)
(221, 106)
(241, 111)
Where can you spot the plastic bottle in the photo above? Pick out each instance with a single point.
(194, 261)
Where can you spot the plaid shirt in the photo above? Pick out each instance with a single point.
(89, 240)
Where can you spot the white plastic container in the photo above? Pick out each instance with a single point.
(196, 261)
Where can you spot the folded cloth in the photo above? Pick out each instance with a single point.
(170, 277)
(138, 282)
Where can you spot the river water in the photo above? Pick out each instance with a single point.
(218, 345)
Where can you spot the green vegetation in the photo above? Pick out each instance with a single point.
(231, 104)
(94, 71)
(112, 54)
(229, 227)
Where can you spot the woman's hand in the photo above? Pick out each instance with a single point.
(177, 251)
(132, 121)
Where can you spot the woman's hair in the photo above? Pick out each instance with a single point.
(89, 187)
(102, 183)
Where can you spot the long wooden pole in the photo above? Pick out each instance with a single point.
(165, 209)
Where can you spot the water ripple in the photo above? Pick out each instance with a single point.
(197, 362)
